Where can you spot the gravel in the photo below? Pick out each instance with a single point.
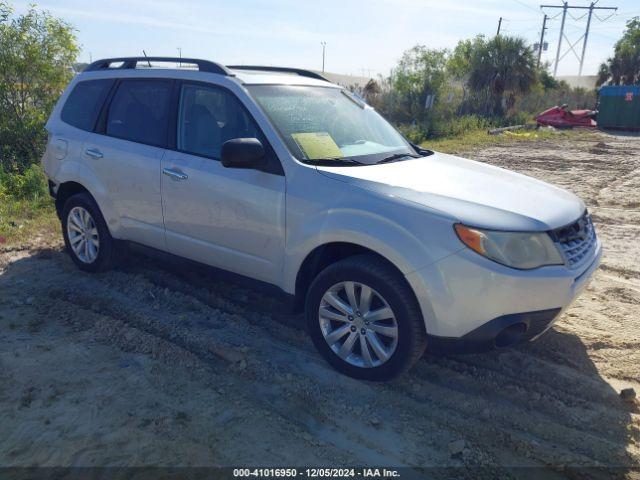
(162, 364)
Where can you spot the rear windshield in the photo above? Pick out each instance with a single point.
(83, 105)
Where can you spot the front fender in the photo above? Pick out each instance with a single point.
(372, 225)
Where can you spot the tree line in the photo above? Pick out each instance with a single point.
(481, 82)
(37, 51)
(624, 67)
(488, 82)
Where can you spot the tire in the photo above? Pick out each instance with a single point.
(387, 289)
(104, 245)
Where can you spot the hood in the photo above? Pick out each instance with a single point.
(472, 192)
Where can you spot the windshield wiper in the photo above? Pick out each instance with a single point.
(423, 152)
(397, 156)
(333, 161)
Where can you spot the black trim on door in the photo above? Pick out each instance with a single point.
(101, 122)
(174, 106)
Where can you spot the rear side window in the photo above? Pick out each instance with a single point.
(139, 111)
(84, 102)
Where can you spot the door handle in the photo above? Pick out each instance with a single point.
(175, 174)
(94, 153)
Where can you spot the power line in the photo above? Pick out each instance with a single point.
(603, 19)
(522, 4)
(606, 37)
(585, 37)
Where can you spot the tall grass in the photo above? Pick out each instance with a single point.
(26, 209)
(27, 185)
(452, 127)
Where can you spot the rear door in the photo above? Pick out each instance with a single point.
(226, 217)
(126, 152)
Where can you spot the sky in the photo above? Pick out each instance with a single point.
(363, 37)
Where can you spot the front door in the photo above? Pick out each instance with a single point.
(225, 217)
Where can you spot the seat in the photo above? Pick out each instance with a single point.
(201, 133)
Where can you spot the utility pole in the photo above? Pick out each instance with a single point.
(586, 37)
(180, 56)
(565, 7)
(499, 27)
(324, 45)
(544, 28)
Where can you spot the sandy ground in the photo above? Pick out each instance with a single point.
(163, 364)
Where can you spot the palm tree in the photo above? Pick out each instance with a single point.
(624, 67)
(503, 68)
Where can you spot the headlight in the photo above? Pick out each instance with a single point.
(521, 250)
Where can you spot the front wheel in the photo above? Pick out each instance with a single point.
(364, 319)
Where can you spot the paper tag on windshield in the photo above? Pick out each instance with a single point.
(317, 145)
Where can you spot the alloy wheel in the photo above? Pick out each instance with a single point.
(83, 235)
(358, 324)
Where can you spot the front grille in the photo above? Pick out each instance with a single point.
(576, 240)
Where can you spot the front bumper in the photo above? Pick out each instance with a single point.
(501, 332)
(468, 299)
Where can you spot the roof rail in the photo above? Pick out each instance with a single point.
(132, 62)
(297, 71)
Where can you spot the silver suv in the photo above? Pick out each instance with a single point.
(279, 175)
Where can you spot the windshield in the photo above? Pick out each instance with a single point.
(330, 125)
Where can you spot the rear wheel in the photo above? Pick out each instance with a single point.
(364, 319)
(86, 235)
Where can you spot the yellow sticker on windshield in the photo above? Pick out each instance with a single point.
(317, 145)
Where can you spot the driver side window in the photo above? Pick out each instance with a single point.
(208, 117)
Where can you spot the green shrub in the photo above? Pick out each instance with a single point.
(445, 127)
(37, 53)
(458, 125)
(29, 185)
(518, 118)
(414, 133)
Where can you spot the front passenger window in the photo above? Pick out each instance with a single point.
(207, 118)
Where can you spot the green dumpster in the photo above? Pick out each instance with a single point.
(619, 107)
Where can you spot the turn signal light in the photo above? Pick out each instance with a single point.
(471, 238)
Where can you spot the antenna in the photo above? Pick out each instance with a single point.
(145, 54)
(324, 46)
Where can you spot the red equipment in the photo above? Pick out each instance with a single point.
(562, 117)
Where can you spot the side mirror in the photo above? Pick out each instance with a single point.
(243, 153)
